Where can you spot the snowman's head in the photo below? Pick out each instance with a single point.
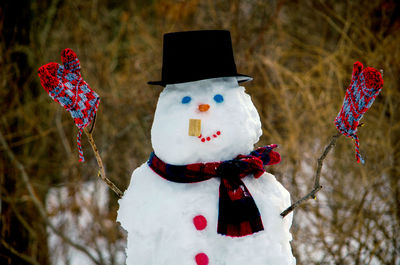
(230, 124)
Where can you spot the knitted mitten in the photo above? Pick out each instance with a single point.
(364, 87)
(65, 85)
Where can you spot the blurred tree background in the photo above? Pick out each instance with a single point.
(54, 210)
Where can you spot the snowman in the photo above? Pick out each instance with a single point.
(203, 197)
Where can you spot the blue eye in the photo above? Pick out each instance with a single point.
(218, 98)
(186, 100)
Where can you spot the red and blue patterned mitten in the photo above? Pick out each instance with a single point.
(364, 87)
(65, 85)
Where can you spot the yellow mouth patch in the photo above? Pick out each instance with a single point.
(194, 127)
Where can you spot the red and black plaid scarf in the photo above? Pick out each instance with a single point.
(238, 213)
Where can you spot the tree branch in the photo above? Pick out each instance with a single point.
(102, 173)
(23, 256)
(317, 186)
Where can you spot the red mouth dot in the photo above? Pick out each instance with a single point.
(200, 136)
(219, 133)
(208, 138)
(214, 135)
(203, 140)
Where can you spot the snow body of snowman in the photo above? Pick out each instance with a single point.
(170, 222)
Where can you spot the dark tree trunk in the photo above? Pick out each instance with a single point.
(23, 236)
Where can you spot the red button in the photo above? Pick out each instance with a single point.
(201, 259)
(200, 222)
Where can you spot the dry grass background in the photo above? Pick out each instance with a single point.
(300, 54)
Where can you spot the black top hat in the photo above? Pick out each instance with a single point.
(197, 55)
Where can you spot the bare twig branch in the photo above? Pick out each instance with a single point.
(102, 173)
(93, 123)
(317, 186)
(38, 204)
(23, 256)
(22, 220)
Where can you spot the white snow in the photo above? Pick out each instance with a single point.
(158, 214)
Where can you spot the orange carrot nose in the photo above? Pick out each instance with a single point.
(204, 107)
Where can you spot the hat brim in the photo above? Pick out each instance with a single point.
(240, 78)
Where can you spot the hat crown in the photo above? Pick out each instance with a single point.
(197, 55)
